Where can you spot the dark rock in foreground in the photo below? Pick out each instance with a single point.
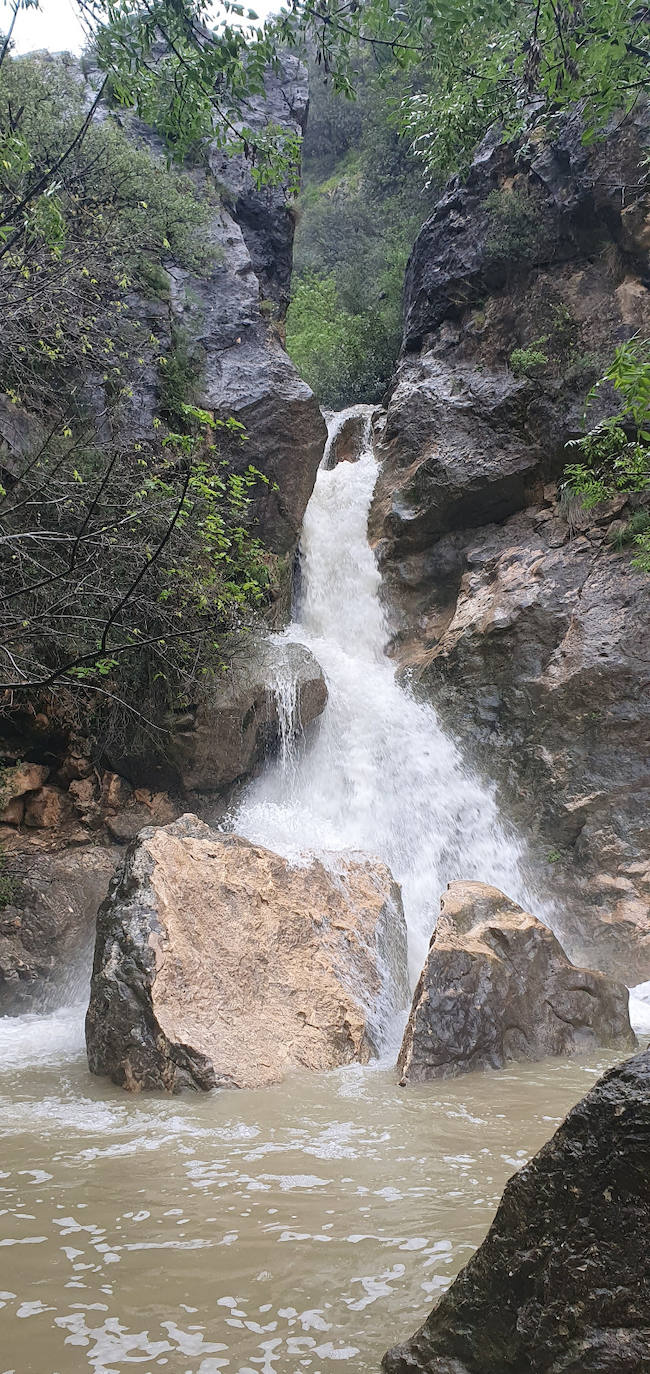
(497, 986)
(561, 1285)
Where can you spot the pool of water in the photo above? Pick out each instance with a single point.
(300, 1228)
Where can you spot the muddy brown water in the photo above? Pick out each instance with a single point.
(300, 1228)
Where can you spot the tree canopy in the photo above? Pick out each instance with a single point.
(191, 67)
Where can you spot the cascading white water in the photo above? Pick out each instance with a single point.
(377, 773)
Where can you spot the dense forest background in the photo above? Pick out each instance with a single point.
(365, 194)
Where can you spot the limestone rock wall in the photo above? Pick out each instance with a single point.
(513, 609)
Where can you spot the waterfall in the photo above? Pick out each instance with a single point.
(377, 773)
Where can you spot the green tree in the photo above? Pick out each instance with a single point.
(362, 204)
(191, 68)
(127, 551)
(615, 454)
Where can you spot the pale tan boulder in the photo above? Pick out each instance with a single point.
(15, 784)
(218, 964)
(497, 986)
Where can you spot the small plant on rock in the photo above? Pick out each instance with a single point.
(526, 362)
(615, 454)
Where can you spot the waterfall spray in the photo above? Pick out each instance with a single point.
(377, 773)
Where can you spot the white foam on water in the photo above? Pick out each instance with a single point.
(50, 1038)
(640, 1009)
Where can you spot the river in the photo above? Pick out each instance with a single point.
(308, 1226)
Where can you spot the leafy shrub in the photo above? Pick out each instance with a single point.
(126, 553)
(517, 225)
(179, 372)
(524, 361)
(615, 455)
(638, 524)
(344, 357)
(142, 559)
(72, 264)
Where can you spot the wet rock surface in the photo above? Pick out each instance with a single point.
(497, 987)
(512, 607)
(234, 317)
(346, 442)
(231, 323)
(561, 1285)
(269, 687)
(47, 926)
(217, 964)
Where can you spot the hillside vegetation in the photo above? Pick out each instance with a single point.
(363, 200)
(125, 545)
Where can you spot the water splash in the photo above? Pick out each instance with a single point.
(377, 773)
(284, 688)
(51, 1037)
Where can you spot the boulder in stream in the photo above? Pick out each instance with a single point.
(218, 964)
(227, 735)
(497, 986)
(561, 1284)
(347, 439)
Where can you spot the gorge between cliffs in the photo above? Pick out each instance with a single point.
(289, 1227)
(325, 907)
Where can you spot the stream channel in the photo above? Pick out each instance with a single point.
(304, 1227)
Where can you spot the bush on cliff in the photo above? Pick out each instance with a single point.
(615, 454)
(70, 267)
(125, 545)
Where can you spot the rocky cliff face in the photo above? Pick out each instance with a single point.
(235, 321)
(64, 820)
(512, 607)
(231, 321)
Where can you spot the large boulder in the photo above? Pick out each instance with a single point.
(496, 987)
(271, 690)
(561, 1285)
(217, 964)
